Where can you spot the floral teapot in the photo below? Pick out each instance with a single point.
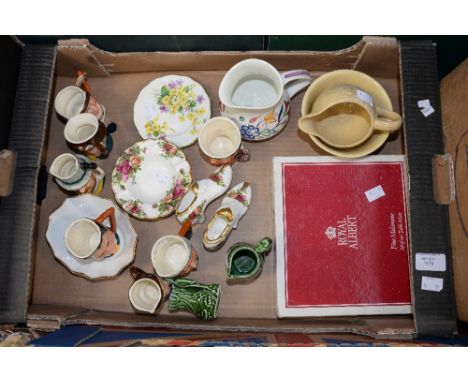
(257, 97)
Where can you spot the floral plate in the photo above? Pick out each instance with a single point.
(149, 178)
(173, 107)
(91, 206)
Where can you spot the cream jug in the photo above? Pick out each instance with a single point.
(345, 116)
(77, 174)
(257, 97)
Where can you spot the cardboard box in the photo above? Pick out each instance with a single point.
(452, 184)
(41, 290)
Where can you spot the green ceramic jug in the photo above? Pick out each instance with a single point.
(245, 261)
(200, 299)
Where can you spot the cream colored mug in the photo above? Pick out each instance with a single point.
(86, 134)
(86, 238)
(148, 292)
(173, 256)
(77, 99)
(345, 116)
(221, 143)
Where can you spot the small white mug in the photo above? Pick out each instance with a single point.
(87, 135)
(82, 238)
(85, 237)
(148, 292)
(73, 100)
(173, 255)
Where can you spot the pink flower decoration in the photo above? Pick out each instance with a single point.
(195, 213)
(124, 167)
(177, 192)
(240, 198)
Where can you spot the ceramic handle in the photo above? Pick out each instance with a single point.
(108, 214)
(186, 229)
(264, 246)
(88, 165)
(387, 120)
(296, 80)
(137, 273)
(81, 81)
(243, 155)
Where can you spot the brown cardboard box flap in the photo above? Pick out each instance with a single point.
(443, 178)
(7, 169)
(377, 56)
(454, 97)
(49, 317)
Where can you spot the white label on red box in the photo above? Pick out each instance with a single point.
(435, 262)
(374, 193)
(433, 284)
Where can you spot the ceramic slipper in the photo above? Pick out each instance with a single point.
(225, 219)
(201, 193)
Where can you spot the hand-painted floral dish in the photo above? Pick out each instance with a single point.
(149, 178)
(172, 107)
(89, 206)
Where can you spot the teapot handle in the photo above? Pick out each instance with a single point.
(108, 214)
(295, 80)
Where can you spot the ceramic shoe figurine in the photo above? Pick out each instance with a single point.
(201, 193)
(225, 219)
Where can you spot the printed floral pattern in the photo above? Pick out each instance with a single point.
(169, 150)
(240, 196)
(155, 128)
(217, 177)
(133, 206)
(172, 107)
(197, 212)
(250, 131)
(176, 97)
(171, 199)
(262, 127)
(128, 165)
